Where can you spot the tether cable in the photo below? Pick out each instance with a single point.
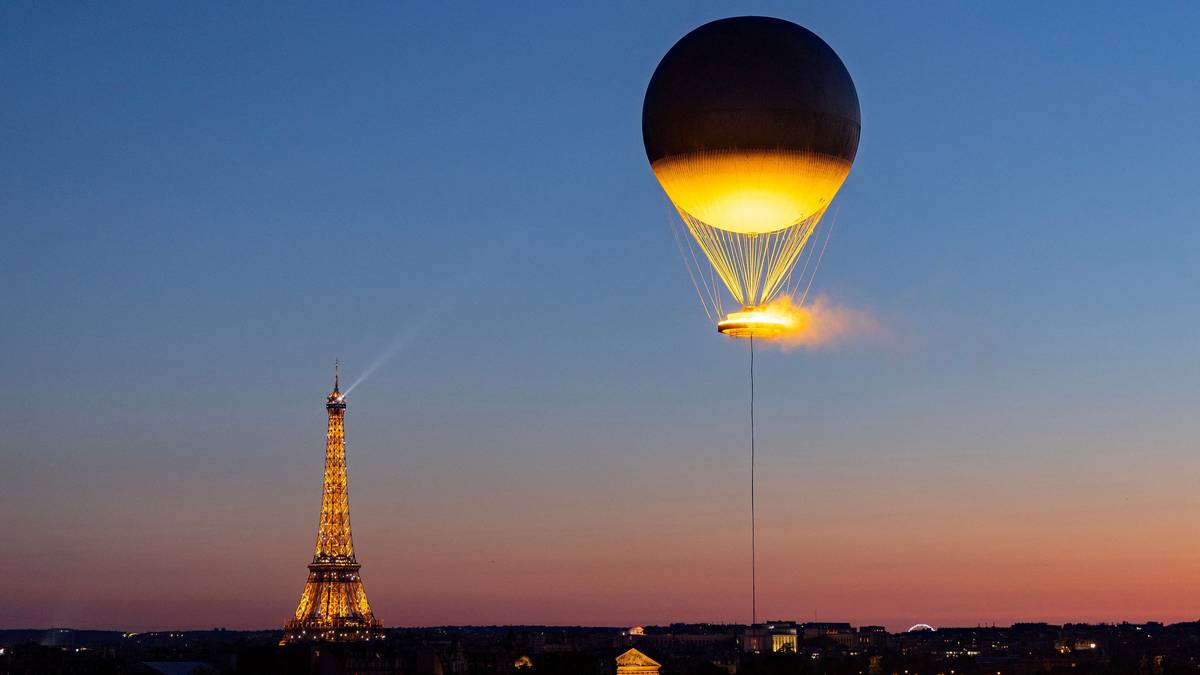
(753, 523)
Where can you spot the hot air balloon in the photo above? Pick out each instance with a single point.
(751, 125)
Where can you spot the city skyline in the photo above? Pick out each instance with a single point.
(204, 206)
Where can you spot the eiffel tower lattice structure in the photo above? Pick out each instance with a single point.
(333, 606)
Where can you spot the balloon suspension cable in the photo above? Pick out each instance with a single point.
(753, 523)
(710, 297)
(820, 256)
(805, 278)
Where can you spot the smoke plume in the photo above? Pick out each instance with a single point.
(821, 323)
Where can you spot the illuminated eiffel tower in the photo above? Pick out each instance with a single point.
(334, 604)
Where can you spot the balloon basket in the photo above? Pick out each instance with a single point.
(754, 322)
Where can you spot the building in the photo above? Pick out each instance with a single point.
(634, 662)
(776, 636)
(834, 630)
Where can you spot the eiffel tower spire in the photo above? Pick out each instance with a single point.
(334, 605)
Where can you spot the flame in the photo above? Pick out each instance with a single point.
(817, 324)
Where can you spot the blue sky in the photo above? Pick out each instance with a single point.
(203, 205)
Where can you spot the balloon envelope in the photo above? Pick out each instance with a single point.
(751, 124)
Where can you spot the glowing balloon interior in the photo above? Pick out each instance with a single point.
(751, 192)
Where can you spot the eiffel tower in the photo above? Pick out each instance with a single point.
(334, 605)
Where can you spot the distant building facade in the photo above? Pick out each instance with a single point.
(633, 662)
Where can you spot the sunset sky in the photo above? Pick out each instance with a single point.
(202, 205)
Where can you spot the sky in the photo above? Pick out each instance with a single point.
(203, 205)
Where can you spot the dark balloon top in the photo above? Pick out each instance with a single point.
(751, 83)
